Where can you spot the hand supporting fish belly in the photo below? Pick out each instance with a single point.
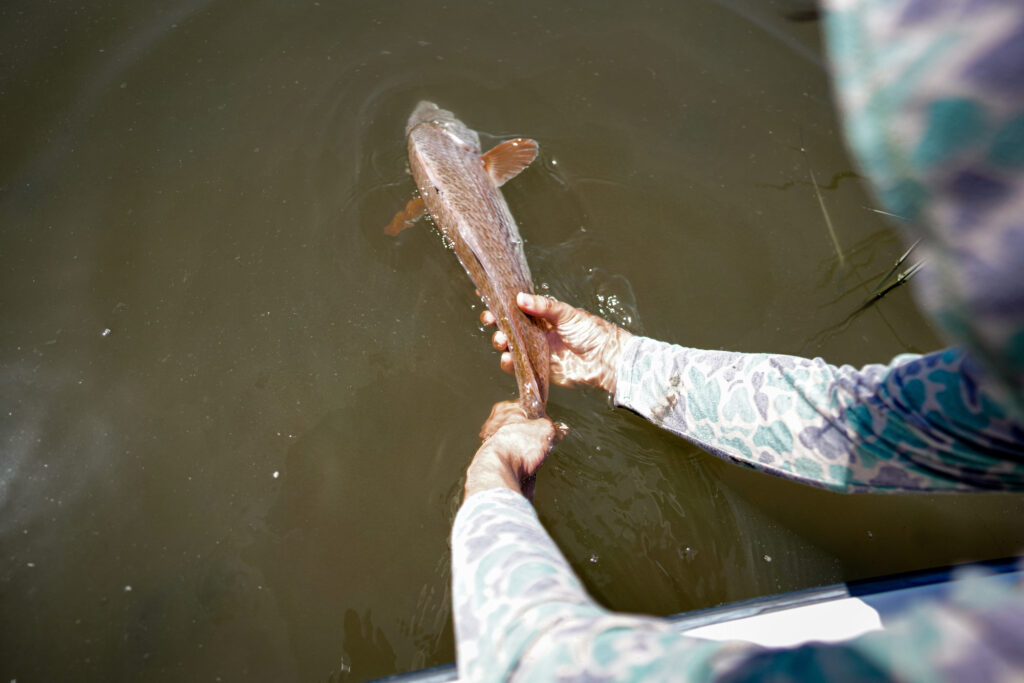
(459, 187)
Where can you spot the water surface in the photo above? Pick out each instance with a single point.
(236, 415)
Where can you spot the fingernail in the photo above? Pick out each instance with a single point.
(524, 299)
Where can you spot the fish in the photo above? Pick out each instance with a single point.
(459, 187)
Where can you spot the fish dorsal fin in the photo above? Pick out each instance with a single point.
(406, 217)
(505, 161)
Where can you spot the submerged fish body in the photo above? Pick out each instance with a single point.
(458, 186)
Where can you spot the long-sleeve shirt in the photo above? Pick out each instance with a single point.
(932, 95)
(920, 423)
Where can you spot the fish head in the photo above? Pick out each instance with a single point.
(428, 113)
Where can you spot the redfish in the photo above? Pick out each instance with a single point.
(459, 187)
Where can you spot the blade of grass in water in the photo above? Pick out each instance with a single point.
(824, 212)
(903, 277)
(864, 307)
(886, 213)
(896, 266)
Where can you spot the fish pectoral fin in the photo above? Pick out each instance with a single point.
(507, 160)
(406, 217)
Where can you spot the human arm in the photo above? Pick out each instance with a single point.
(520, 613)
(921, 423)
(517, 603)
(518, 608)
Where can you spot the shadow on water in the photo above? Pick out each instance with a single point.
(668, 536)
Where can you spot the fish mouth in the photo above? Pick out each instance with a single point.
(428, 112)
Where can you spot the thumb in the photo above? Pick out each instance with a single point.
(552, 310)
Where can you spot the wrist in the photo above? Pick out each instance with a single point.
(610, 359)
(489, 473)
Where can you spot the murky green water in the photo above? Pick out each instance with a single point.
(235, 415)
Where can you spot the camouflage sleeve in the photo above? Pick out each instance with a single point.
(932, 97)
(920, 423)
(521, 614)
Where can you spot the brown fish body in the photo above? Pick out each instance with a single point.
(459, 188)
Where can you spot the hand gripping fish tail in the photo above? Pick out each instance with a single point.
(458, 186)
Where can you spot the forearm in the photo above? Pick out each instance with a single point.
(520, 611)
(484, 475)
(922, 423)
(509, 581)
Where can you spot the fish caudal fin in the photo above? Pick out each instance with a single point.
(505, 161)
(406, 217)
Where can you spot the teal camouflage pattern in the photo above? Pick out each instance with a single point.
(932, 95)
(921, 423)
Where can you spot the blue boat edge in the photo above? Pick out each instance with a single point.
(888, 595)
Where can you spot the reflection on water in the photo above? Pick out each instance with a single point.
(236, 415)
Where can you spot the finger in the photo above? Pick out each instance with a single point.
(487, 318)
(561, 431)
(552, 310)
(502, 414)
(499, 341)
